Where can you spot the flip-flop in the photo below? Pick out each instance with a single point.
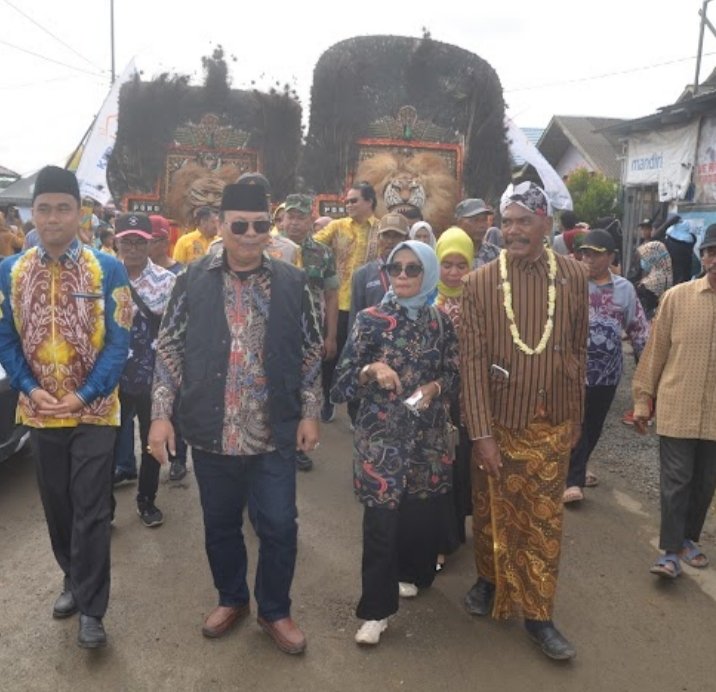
(572, 494)
(661, 566)
(691, 554)
(591, 481)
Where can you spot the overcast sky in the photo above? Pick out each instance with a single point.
(618, 58)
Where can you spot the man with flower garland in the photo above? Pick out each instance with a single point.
(523, 350)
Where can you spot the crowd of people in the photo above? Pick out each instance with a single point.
(478, 366)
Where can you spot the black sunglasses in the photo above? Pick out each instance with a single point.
(240, 227)
(411, 270)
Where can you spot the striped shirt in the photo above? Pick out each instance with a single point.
(500, 383)
(678, 366)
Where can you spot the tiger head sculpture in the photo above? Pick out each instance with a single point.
(194, 186)
(404, 182)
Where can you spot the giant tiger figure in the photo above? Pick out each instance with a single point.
(403, 183)
(406, 114)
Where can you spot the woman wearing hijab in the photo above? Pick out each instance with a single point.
(401, 363)
(653, 274)
(423, 232)
(455, 252)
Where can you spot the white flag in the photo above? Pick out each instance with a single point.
(92, 168)
(552, 184)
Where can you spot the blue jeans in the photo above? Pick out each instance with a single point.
(267, 484)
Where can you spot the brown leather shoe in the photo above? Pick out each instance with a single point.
(222, 619)
(286, 634)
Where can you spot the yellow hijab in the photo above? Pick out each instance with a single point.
(453, 241)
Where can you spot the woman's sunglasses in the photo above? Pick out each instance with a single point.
(411, 270)
(240, 227)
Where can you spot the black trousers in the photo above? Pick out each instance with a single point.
(141, 406)
(682, 258)
(597, 402)
(688, 480)
(398, 545)
(328, 366)
(74, 474)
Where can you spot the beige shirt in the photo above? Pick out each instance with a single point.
(499, 382)
(678, 366)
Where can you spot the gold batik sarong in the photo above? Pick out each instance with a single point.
(517, 520)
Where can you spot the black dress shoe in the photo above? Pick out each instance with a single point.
(478, 600)
(65, 605)
(91, 634)
(551, 641)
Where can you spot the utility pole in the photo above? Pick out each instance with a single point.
(111, 34)
(704, 23)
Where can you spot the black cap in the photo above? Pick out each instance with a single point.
(646, 223)
(131, 223)
(56, 179)
(598, 240)
(255, 178)
(242, 197)
(709, 237)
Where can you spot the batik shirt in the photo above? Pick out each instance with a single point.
(395, 451)
(154, 286)
(64, 327)
(353, 245)
(613, 308)
(246, 429)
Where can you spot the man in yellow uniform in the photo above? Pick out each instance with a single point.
(354, 241)
(194, 245)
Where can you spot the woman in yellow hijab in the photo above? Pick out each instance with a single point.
(455, 252)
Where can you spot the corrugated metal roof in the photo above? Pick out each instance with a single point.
(533, 134)
(600, 149)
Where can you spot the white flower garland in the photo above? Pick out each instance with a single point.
(551, 302)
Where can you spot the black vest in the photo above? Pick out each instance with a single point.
(206, 356)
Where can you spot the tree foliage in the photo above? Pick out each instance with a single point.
(594, 195)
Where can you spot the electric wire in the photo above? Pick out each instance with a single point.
(45, 57)
(49, 33)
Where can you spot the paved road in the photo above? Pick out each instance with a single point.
(632, 632)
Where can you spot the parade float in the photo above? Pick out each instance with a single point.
(421, 120)
(178, 145)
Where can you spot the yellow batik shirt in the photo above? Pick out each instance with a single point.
(64, 327)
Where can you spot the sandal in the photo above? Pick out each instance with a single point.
(667, 566)
(693, 556)
(572, 494)
(591, 481)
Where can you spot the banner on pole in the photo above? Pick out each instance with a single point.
(92, 168)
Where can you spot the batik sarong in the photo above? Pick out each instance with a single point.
(517, 519)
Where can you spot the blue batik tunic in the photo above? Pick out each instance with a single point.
(396, 452)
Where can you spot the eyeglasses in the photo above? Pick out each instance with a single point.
(240, 227)
(395, 269)
(353, 200)
(133, 242)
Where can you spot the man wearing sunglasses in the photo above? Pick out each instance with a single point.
(241, 345)
(354, 241)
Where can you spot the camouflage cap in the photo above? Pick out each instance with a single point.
(301, 203)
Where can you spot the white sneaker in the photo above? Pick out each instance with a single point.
(407, 590)
(370, 631)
